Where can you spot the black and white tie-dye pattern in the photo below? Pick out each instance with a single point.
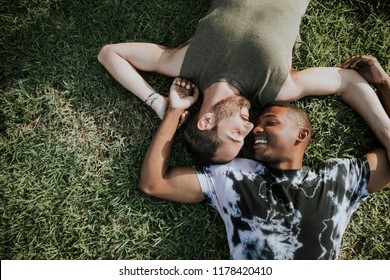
(294, 214)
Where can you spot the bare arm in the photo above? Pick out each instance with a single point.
(124, 60)
(384, 94)
(353, 89)
(157, 179)
(380, 170)
(371, 70)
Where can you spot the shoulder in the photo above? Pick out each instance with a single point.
(344, 163)
(244, 163)
(236, 165)
(346, 170)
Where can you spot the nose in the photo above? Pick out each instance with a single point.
(257, 129)
(248, 126)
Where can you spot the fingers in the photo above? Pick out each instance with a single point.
(355, 60)
(195, 92)
(352, 62)
(187, 84)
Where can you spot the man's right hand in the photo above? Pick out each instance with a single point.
(183, 94)
(157, 178)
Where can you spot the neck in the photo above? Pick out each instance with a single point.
(215, 93)
(287, 164)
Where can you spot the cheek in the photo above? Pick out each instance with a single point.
(287, 141)
(248, 131)
(281, 140)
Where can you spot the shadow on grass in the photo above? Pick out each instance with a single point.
(73, 140)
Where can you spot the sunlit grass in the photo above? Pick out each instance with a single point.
(72, 139)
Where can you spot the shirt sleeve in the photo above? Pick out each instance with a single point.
(361, 168)
(215, 183)
(351, 177)
(206, 181)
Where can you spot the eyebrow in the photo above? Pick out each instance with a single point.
(270, 116)
(266, 116)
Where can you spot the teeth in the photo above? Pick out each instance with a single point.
(261, 141)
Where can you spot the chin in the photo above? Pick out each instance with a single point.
(265, 158)
(262, 158)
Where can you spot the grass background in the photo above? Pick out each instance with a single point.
(72, 139)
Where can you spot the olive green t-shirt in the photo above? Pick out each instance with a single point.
(246, 43)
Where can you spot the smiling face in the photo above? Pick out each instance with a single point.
(232, 132)
(217, 136)
(280, 138)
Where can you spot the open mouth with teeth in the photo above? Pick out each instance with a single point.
(261, 141)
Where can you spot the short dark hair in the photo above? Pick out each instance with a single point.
(202, 145)
(299, 116)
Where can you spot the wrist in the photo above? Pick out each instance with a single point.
(385, 82)
(152, 99)
(175, 111)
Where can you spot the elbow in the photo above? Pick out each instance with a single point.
(104, 53)
(146, 187)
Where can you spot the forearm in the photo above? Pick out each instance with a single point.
(383, 90)
(122, 71)
(155, 164)
(358, 94)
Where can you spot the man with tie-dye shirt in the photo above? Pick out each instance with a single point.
(273, 207)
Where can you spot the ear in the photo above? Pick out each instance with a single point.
(206, 122)
(304, 135)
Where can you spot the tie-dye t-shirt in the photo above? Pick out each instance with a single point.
(294, 214)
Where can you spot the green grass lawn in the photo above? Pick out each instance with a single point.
(72, 140)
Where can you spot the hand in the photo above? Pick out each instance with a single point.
(183, 94)
(367, 66)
